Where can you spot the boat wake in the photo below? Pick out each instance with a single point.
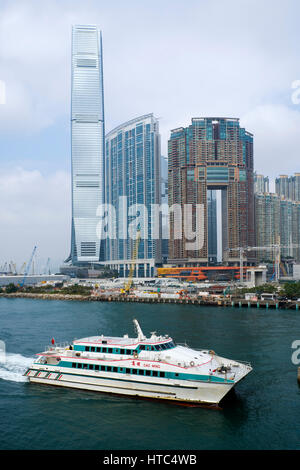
(13, 366)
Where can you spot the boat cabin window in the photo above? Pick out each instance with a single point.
(154, 373)
(122, 351)
(109, 350)
(104, 350)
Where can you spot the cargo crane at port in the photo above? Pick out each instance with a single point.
(28, 267)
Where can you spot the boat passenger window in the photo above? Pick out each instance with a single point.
(73, 364)
(142, 347)
(104, 350)
(129, 351)
(115, 369)
(148, 372)
(85, 366)
(102, 368)
(164, 346)
(127, 371)
(134, 371)
(92, 349)
(91, 367)
(122, 351)
(154, 373)
(109, 350)
(104, 342)
(176, 375)
(108, 368)
(87, 348)
(96, 367)
(79, 366)
(98, 349)
(121, 369)
(162, 374)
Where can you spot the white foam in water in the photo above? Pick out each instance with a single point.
(13, 366)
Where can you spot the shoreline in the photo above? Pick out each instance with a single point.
(226, 302)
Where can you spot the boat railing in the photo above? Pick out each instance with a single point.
(55, 346)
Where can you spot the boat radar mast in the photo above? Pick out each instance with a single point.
(140, 334)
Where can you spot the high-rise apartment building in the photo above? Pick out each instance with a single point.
(133, 193)
(282, 186)
(277, 222)
(211, 154)
(288, 186)
(87, 144)
(261, 184)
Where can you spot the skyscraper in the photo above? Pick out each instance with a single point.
(282, 186)
(211, 154)
(277, 221)
(288, 186)
(261, 184)
(165, 209)
(133, 187)
(87, 143)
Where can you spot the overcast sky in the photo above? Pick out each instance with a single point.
(235, 58)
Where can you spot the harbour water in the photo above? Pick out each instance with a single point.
(262, 413)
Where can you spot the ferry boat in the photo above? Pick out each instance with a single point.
(153, 367)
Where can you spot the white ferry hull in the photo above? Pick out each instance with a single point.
(143, 367)
(194, 392)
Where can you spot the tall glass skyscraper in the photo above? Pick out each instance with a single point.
(133, 187)
(87, 144)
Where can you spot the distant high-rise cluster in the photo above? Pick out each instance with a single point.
(261, 184)
(288, 186)
(277, 216)
(200, 205)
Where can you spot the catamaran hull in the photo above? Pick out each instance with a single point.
(194, 392)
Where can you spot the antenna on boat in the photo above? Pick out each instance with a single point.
(140, 334)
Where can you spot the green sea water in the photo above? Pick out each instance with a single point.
(262, 413)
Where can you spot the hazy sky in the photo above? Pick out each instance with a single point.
(179, 60)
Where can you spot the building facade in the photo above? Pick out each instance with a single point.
(87, 144)
(261, 184)
(165, 209)
(133, 193)
(210, 154)
(277, 222)
(288, 186)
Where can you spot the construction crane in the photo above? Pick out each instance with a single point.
(28, 267)
(47, 267)
(12, 268)
(274, 247)
(128, 284)
(22, 269)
